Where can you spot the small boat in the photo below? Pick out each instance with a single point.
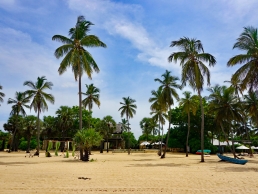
(232, 160)
(206, 152)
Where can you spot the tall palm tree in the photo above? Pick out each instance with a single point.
(189, 104)
(248, 73)
(128, 109)
(192, 58)
(19, 103)
(1, 95)
(168, 86)
(75, 54)
(39, 99)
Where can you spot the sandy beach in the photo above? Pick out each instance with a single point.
(122, 173)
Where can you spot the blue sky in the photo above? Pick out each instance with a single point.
(137, 35)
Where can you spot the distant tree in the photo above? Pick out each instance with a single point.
(39, 99)
(128, 109)
(124, 125)
(189, 104)
(19, 103)
(106, 127)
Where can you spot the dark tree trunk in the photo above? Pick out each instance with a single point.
(187, 134)
(168, 134)
(38, 132)
(101, 147)
(129, 149)
(86, 155)
(80, 110)
(107, 143)
(202, 127)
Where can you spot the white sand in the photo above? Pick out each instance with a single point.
(121, 173)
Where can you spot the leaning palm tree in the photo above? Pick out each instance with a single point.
(189, 104)
(19, 103)
(194, 71)
(75, 54)
(1, 94)
(128, 109)
(248, 73)
(168, 86)
(39, 99)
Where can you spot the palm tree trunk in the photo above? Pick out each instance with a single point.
(38, 131)
(159, 153)
(80, 111)
(168, 134)
(80, 103)
(129, 149)
(14, 134)
(187, 134)
(202, 127)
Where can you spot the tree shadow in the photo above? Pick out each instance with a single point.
(16, 163)
(158, 165)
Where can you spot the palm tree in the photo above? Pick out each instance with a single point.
(124, 125)
(39, 99)
(19, 103)
(168, 86)
(76, 55)
(194, 71)
(224, 103)
(248, 73)
(92, 96)
(158, 107)
(189, 104)
(159, 116)
(146, 126)
(85, 139)
(1, 95)
(128, 109)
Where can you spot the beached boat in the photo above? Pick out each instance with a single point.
(206, 152)
(232, 160)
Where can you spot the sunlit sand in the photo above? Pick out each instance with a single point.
(121, 173)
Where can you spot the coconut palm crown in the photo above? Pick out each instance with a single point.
(248, 72)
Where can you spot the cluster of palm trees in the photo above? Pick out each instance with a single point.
(37, 97)
(195, 73)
